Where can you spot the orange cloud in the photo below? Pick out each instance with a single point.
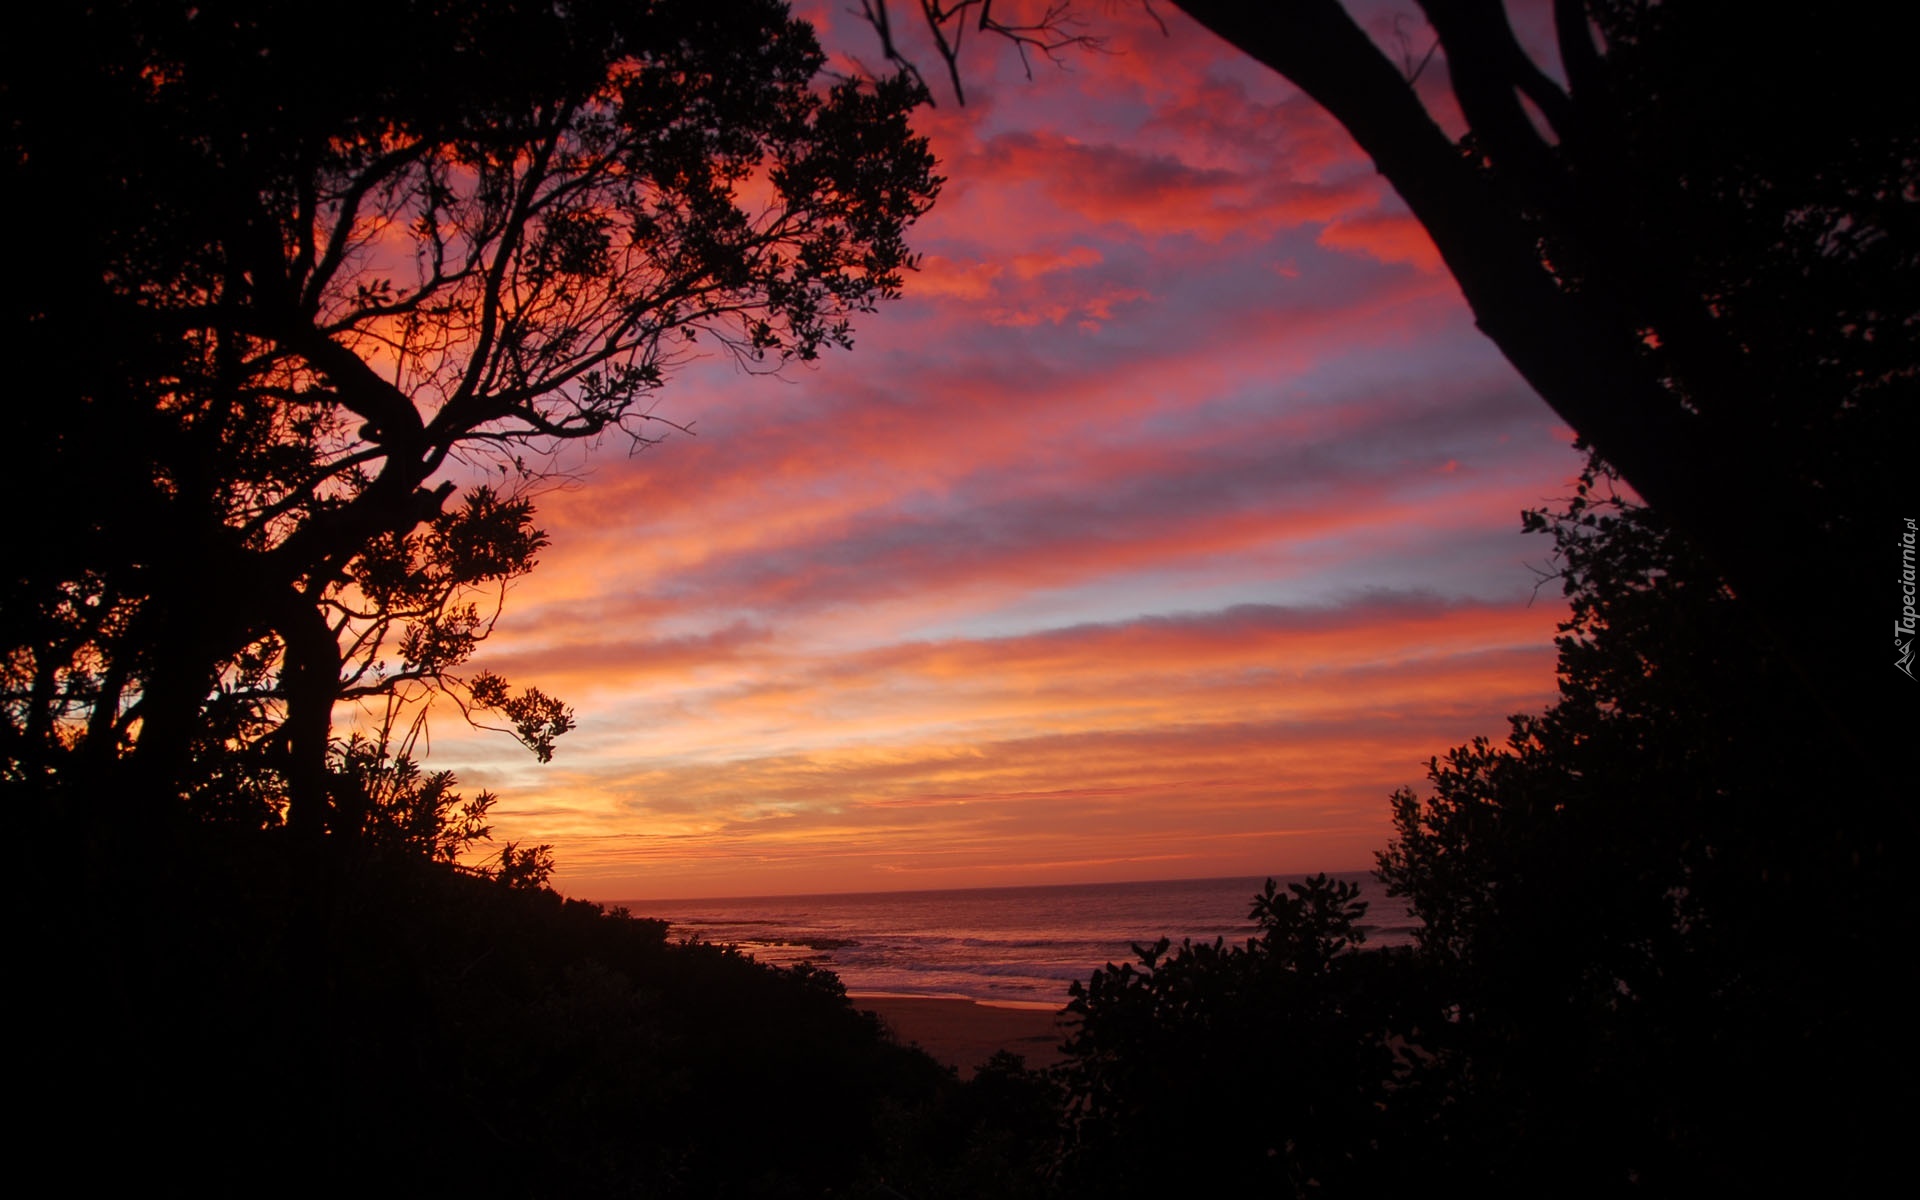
(1242, 726)
(1387, 237)
(940, 276)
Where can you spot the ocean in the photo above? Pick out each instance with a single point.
(1013, 947)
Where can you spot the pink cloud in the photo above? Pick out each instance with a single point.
(1387, 238)
(1156, 195)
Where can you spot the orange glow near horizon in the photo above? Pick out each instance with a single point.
(1166, 526)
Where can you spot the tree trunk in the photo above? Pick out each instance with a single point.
(178, 678)
(310, 680)
(1727, 481)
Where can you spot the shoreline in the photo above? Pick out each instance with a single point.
(962, 1033)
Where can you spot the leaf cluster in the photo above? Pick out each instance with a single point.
(1278, 1055)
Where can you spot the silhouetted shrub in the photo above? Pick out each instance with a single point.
(243, 1014)
(1266, 1067)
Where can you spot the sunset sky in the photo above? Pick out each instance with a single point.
(1167, 525)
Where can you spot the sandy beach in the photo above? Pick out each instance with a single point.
(962, 1034)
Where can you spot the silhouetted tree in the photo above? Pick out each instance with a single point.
(291, 278)
(1265, 1068)
(1696, 242)
(1656, 917)
(1653, 955)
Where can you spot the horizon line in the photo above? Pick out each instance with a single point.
(999, 887)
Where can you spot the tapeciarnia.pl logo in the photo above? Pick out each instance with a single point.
(1904, 627)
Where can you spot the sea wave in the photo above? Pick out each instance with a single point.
(1023, 945)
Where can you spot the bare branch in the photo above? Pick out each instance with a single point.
(1051, 34)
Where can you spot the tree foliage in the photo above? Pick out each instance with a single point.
(1271, 1062)
(312, 277)
(1655, 903)
(1652, 953)
(394, 1027)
